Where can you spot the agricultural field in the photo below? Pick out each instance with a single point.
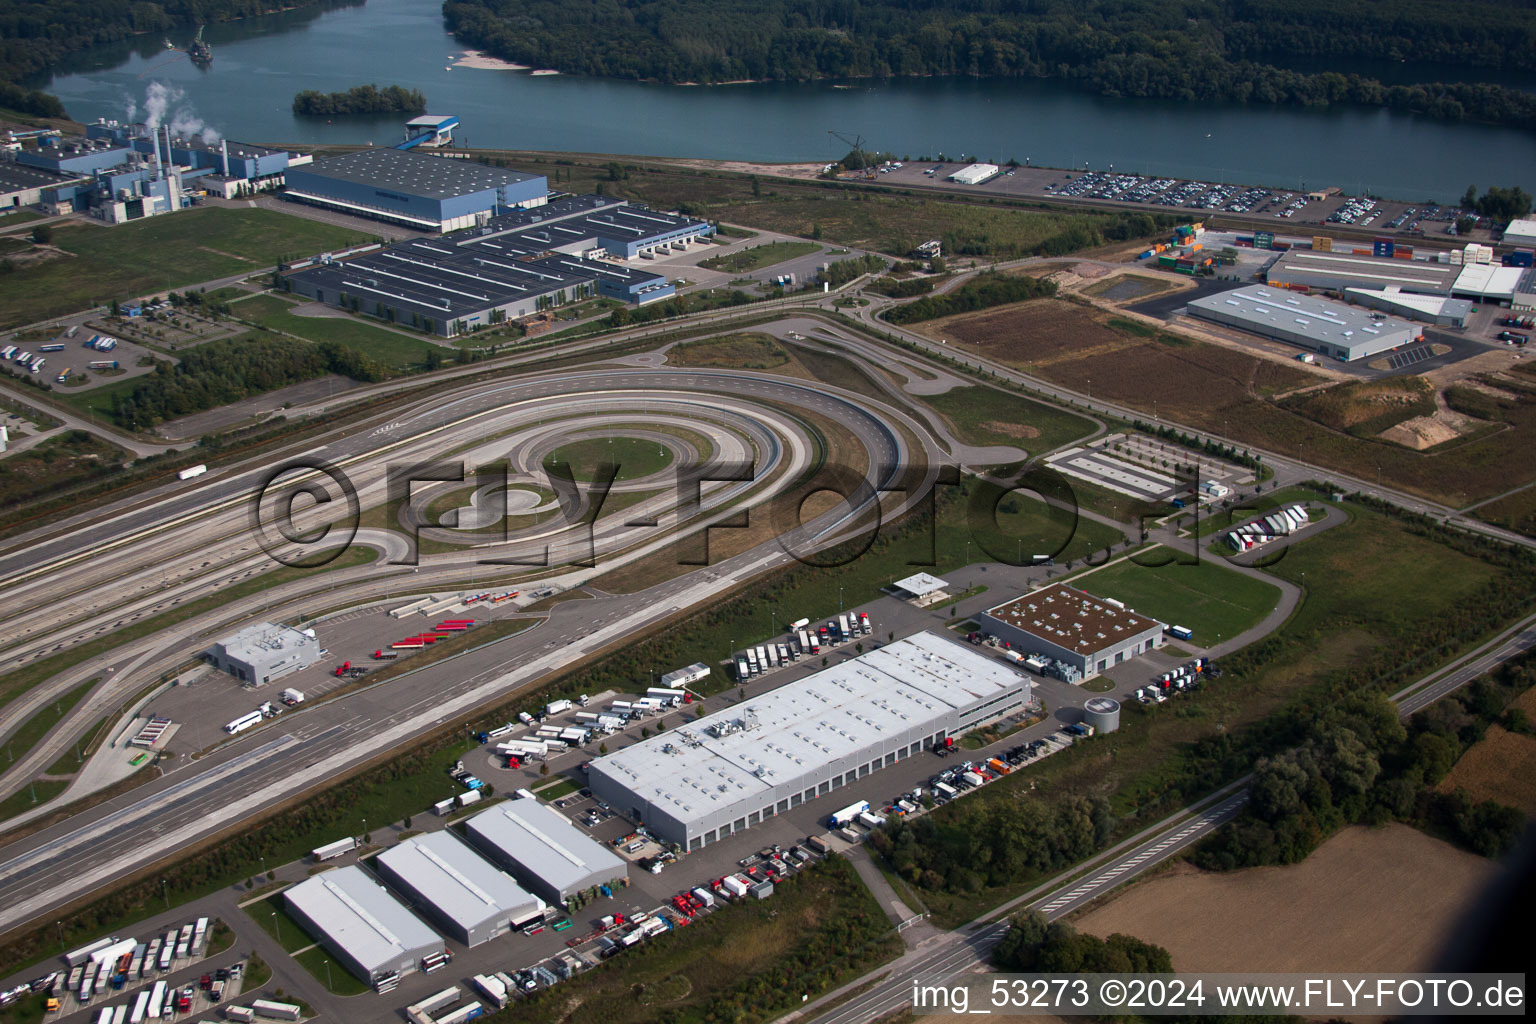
(751, 350)
(759, 256)
(986, 416)
(386, 347)
(105, 264)
(1501, 766)
(1341, 909)
(1213, 600)
(1235, 395)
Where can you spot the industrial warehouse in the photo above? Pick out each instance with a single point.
(264, 651)
(467, 896)
(1081, 634)
(367, 929)
(1329, 328)
(543, 850)
(1467, 273)
(701, 782)
(511, 266)
(414, 189)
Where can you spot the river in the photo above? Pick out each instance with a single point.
(259, 64)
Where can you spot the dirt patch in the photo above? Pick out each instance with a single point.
(1018, 430)
(1420, 433)
(1501, 766)
(1342, 909)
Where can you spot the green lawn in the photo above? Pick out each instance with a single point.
(1371, 572)
(1209, 598)
(42, 723)
(635, 457)
(388, 348)
(983, 415)
(141, 258)
(273, 918)
(1013, 526)
(336, 978)
(557, 789)
(21, 800)
(760, 256)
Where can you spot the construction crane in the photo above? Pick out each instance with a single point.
(862, 155)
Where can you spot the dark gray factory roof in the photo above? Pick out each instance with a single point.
(433, 177)
(15, 177)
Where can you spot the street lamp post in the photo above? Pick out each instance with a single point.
(278, 927)
(165, 888)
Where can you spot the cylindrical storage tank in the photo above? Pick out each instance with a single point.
(1103, 713)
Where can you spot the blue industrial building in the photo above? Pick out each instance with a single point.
(511, 266)
(74, 155)
(430, 193)
(429, 130)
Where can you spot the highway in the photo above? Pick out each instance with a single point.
(91, 849)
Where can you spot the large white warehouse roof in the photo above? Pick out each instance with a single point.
(770, 740)
(361, 917)
(461, 885)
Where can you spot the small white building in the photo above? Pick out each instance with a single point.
(975, 174)
(1520, 232)
(921, 588)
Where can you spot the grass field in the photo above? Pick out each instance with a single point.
(748, 351)
(141, 258)
(273, 918)
(760, 256)
(1214, 601)
(21, 800)
(336, 978)
(983, 415)
(1341, 909)
(388, 348)
(1369, 573)
(60, 461)
(39, 725)
(1514, 512)
(635, 457)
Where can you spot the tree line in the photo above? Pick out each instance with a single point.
(1357, 763)
(981, 292)
(1032, 944)
(1163, 49)
(1501, 204)
(360, 99)
(220, 372)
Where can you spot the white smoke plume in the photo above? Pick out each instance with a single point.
(163, 106)
(158, 99)
(131, 110)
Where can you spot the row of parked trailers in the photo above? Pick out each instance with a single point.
(442, 631)
(803, 641)
(27, 360)
(113, 963)
(1262, 531)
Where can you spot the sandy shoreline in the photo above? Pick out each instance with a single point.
(485, 62)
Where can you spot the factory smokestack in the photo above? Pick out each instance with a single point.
(224, 149)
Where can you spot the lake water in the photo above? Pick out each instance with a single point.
(259, 64)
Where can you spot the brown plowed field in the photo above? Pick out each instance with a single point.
(1366, 900)
(1230, 393)
(1501, 766)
